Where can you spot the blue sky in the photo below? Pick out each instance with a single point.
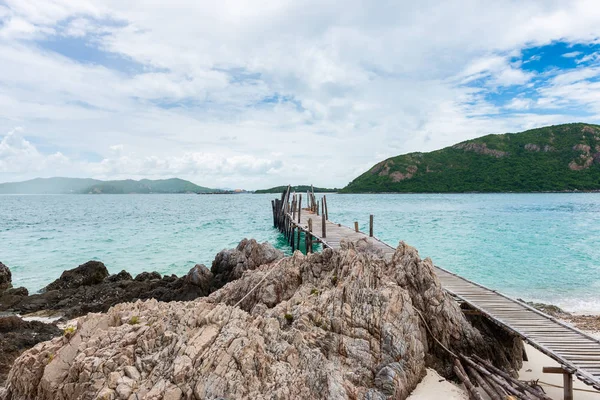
(233, 94)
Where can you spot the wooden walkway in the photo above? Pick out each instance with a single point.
(577, 352)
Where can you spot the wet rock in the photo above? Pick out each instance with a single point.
(17, 335)
(5, 277)
(336, 325)
(90, 273)
(89, 288)
(147, 276)
(200, 276)
(121, 276)
(9, 296)
(230, 264)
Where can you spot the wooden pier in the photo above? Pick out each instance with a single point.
(306, 225)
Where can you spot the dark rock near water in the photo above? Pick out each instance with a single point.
(5, 277)
(147, 276)
(200, 276)
(121, 276)
(17, 336)
(90, 288)
(549, 309)
(230, 264)
(90, 273)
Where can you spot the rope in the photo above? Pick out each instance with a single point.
(431, 333)
(258, 284)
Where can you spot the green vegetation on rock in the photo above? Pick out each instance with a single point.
(555, 158)
(297, 189)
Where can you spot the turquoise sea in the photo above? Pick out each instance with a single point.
(542, 247)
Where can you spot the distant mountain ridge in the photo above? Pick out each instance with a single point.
(95, 186)
(299, 189)
(554, 158)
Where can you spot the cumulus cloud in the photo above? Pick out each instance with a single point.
(19, 156)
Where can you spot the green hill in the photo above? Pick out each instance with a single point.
(173, 185)
(76, 185)
(554, 158)
(47, 186)
(298, 189)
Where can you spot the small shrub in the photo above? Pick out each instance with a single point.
(289, 318)
(334, 280)
(134, 320)
(315, 292)
(69, 331)
(50, 358)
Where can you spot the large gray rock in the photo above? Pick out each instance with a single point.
(5, 277)
(200, 276)
(230, 264)
(337, 325)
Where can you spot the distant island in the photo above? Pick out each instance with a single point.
(554, 158)
(298, 189)
(94, 186)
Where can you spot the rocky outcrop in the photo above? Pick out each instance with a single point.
(398, 176)
(480, 148)
(5, 277)
(90, 273)
(249, 254)
(90, 288)
(17, 335)
(9, 296)
(339, 324)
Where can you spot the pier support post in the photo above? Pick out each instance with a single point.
(309, 237)
(323, 219)
(356, 226)
(371, 225)
(567, 380)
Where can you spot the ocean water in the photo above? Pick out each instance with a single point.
(542, 247)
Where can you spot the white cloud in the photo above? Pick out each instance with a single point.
(519, 104)
(348, 84)
(572, 54)
(18, 156)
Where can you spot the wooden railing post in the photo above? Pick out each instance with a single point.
(323, 219)
(325, 209)
(371, 225)
(355, 226)
(309, 237)
(299, 207)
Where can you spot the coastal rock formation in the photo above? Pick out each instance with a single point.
(249, 254)
(17, 335)
(9, 296)
(89, 288)
(5, 277)
(90, 273)
(339, 324)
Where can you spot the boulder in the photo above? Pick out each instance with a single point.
(90, 273)
(5, 277)
(200, 276)
(332, 325)
(230, 264)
